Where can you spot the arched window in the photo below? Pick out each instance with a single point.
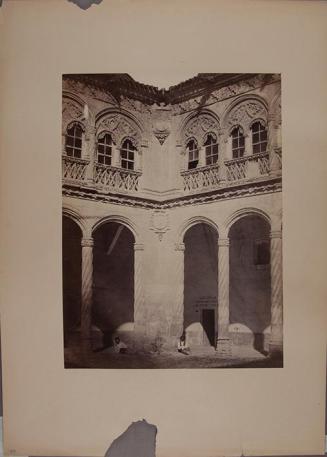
(259, 138)
(238, 146)
(127, 153)
(104, 149)
(73, 144)
(193, 154)
(211, 148)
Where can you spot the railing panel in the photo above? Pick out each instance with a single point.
(201, 179)
(73, 169)
(249, 167)
(109, 177)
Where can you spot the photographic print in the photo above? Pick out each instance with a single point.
(172, 222)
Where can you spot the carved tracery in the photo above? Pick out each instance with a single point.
(120, 128)
(244, 113)
(199, 127)
(71, 111)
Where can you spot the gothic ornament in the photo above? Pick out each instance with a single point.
(200, 125)
(159, 223)
(243, 114)
(161, 124)
(71, 110)
(120, 128)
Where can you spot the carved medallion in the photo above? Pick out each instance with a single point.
(159, 223)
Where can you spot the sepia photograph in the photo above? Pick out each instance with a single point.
(172, 222)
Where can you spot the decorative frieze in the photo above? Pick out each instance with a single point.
(218, 95)
(236, 191)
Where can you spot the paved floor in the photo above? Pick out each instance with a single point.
(198, 358)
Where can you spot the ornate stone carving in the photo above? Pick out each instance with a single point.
(223, 93)
(199, 125)
(175, 315)
(161, 124)
(71, 110)
(244, 113)
(88, 90)
(159, 223)
(267, 187)
(87, 284)
(134, 105)
(120, 127)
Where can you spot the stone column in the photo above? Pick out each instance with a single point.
(90, 153)
(223, 342)
(115, 161)
(139, 310)
(202, 156)
(248, 143)
(222, 156)
(276, 268)
(273, 144)
(87, 291)
(177, 323)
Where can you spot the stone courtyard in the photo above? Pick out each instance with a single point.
(172, 221)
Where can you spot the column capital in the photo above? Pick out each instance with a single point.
(87, 242)
(276, 234)
(138, 247)
(180, 247)
(223, 242)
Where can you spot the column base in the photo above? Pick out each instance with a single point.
(223, 347)
(275, 349)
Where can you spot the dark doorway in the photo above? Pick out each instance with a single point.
(208, 324)
(200, 279)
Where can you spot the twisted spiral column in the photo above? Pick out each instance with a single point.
(176, 328)
(276, 337)
(223, 343)
(139, 311)
(87, 287)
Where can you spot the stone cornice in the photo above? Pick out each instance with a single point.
(267, 186)
(208, 87)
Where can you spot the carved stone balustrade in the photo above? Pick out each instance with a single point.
(73, 169)
(204, 178)
(248, 167)
(107, 177)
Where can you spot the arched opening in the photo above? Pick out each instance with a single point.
(200, 285)
(250, 303)
(72, 275)
(113, 281)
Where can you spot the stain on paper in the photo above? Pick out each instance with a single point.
(84, 4)
(139, 440)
